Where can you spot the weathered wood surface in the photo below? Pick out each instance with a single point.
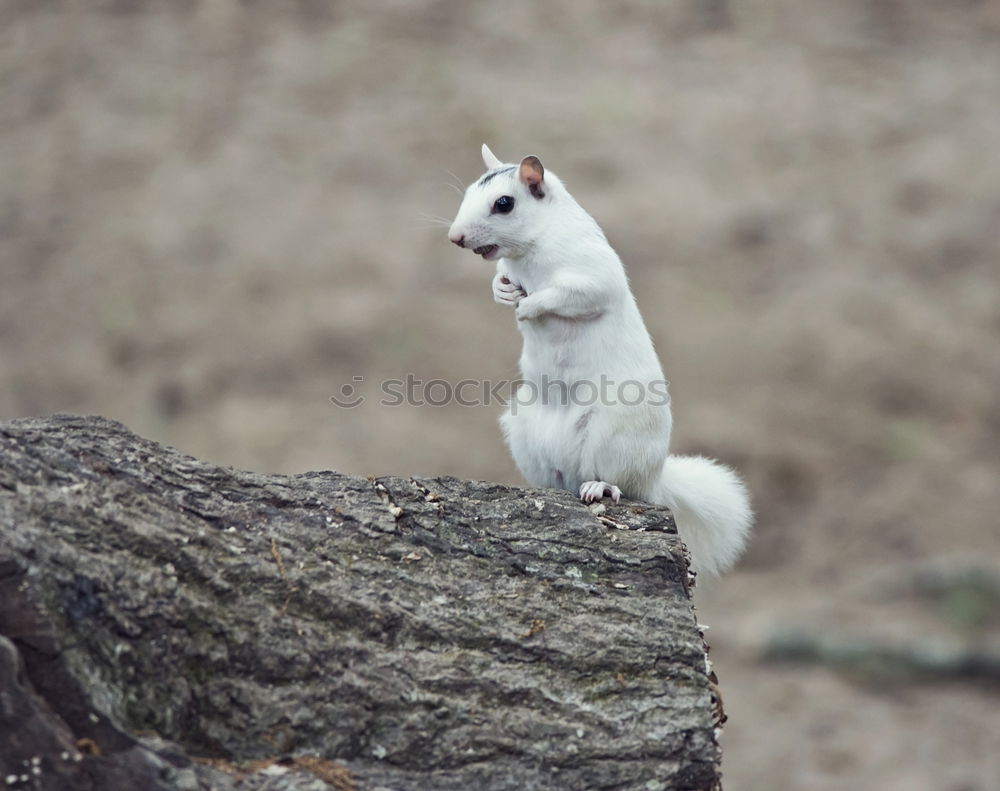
(407, 633)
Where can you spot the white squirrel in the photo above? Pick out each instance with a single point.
(592, 413)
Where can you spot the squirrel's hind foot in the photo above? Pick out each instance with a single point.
(592, 491)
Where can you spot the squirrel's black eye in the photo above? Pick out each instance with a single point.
(503, 204)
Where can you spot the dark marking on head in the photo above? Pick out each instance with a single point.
(493, 173)
(583, 420)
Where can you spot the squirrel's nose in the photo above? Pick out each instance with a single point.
(458, 239)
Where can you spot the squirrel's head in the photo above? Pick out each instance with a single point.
(500, 214)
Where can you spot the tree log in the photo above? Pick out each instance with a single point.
(167, 623)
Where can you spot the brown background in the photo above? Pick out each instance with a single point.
(214, 214)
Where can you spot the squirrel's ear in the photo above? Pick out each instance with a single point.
(532, 175)
(490, 159)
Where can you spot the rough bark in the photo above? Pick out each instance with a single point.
(342, 632)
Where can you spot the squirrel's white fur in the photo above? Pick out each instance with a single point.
(582, 331)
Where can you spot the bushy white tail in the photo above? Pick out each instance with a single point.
(711, 507)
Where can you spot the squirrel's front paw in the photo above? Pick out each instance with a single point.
(527, 309)
(507, 293)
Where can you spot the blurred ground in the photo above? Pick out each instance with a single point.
(215, 214)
